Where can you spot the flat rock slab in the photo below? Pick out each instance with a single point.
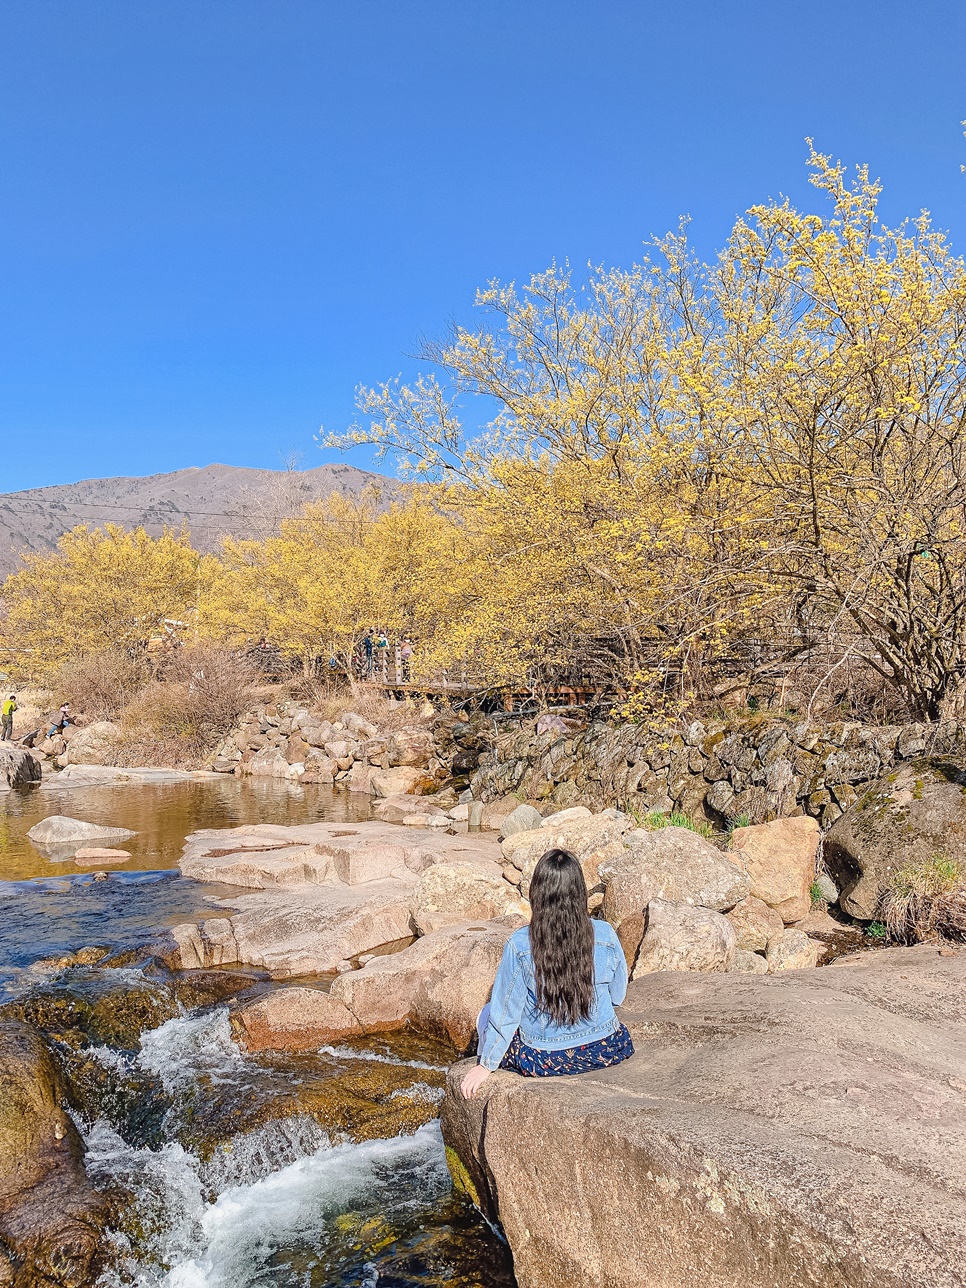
(327, 892)
(267, 854)
(302, 930)
(802, 1129)
(93, 856)
(110, 775)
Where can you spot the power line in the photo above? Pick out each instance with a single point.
(145, 510)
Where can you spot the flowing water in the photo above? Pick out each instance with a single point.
(229, 1170)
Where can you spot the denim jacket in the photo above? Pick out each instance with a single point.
(513, 1004)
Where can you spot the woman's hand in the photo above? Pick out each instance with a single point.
(473, 1081)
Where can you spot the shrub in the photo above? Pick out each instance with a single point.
(196, 697)
(102, 684)
(815, 893)
(926, 900)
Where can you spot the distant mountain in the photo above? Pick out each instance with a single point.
(213, 501)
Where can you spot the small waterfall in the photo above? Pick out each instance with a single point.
(280, 1204)
(223, 1224)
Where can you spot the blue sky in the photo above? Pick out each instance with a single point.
(218, 217)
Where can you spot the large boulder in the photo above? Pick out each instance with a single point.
(359, 778)
(50, 1217)
(755, 924)
(293, 1019)
(780, 859)
(671, 863)
(679, 936)
(909, 815)
(568, 815)
(437, 986)
(18, 768)
(269, 763)
(393, 809)
(453, 891)
(61, 830)
(593, 838)
(404, 780)
(95, 744)
(410, 747)
(746, 962)
(496, 812)
(314, 731)
(807, 1128)
(303, 930)
(523, 819)
(792, 950)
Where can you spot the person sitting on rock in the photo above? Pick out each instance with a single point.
(60, 721)
(552, 1008)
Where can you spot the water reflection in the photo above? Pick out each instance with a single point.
(162, 814)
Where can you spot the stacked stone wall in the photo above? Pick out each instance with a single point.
(758, 769)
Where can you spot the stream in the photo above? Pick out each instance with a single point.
(228, 1170)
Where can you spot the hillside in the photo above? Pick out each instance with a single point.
(213, 501)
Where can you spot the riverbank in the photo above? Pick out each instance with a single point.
(801, 1129)
(220, 1164)
(305, 940)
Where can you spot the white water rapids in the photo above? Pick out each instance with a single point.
(231, 1241)
(265, 1207)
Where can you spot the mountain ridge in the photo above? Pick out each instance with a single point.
(212, 501)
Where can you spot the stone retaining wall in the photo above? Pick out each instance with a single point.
(291, 740)
(761, 769)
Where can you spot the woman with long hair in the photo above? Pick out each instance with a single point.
(552, 1008)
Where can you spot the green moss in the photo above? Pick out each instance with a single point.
(917, 790)
(462, 1182)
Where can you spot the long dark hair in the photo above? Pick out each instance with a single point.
(561, 938)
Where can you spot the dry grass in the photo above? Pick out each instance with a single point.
(172, 709)
(926, 900)
(366, 700)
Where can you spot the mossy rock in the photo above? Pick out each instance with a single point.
(352, 1100)
(908, 815)
(50, 1217)
(96, 1007)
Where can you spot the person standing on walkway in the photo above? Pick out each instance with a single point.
(382, 644)
(6, 717)
(406, 657)
(368, 644)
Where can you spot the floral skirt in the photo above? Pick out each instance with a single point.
(534, 1063)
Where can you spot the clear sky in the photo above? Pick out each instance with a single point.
(219, 216)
